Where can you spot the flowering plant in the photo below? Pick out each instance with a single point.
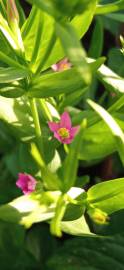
(61, 113)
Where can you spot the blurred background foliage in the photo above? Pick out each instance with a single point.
(35, 248)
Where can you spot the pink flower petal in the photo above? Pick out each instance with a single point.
(56, 135)
(55, 67)
(26, 183)
(53, 126)
(64, 141)
(64, 126)
(62, 65)
(65, 121)
(68, 141)
(74, 131)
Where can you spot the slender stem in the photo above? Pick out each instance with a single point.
(117, 105)
(66, 148)
(102, 98)
(37, 126)
(35, 117)
(45, 110)
(55, 226)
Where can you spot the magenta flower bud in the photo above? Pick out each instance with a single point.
(63, 131)
(12, 11)
(62, 65)
(26, 183)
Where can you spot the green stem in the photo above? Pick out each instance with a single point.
(37, 126)
(35, 117)
(45, 110)
(55, 226)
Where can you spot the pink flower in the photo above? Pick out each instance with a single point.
(26, 183)
(63, 131)
(61, 65)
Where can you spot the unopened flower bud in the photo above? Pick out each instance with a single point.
(12, 12)
(98, 216)
(13, 21)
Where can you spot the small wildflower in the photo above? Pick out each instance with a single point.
(26, 183)
(61, 65)
(63, 131)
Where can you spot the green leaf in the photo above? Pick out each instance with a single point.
(73, 98)
(12, 74)
(107, 196)
(45, 6)
(96, 64)
(112, 7)
(27, 210)
(16, 113)
(116, 16)
(70, 165)
(22, 16)
(12, 36)
(112, 124)
(13, 248)
(114, 226)
(42, 21)
(11, 92)
(96, 44)
(36, 207)
(50, 178)
(117, 105)
(116, 61)
(12, 242)
(80, 22)
(89, 253)
(111, 80)
(97, 142)
(77, 227)
(37, 239)
(9, 61)
(37, 39)
(7, 33)
(73, 50)
(54, 84)
(75, 211)
(71, 8)
(6, 140)
(29, 24)
(58, 9)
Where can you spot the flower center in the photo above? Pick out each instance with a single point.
(64, 66)
(64, 133)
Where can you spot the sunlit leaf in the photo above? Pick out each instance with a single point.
(114, 127)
